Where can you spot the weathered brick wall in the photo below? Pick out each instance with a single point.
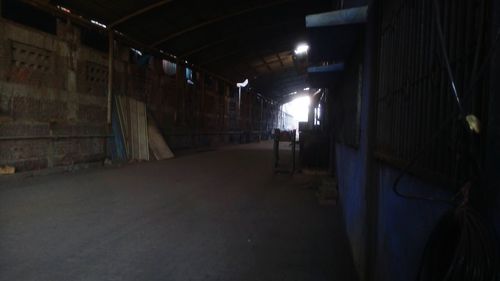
(53, 98)
(50, 87)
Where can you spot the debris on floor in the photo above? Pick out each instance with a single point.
(108, 162)
(322, 182)
(7, 170)
(316, 172)
(327, 191)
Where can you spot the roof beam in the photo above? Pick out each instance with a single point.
(218, 58)
(280, 43)
(42, 5)
(265, 63)
(253, 32)
(217, 19)
(231, 54)
(139, 12)
(252, 69)
(256, 32)
(204, 47)
(279, 58)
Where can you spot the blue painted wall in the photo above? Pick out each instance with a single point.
(493, 139)
(352, 168)
(353, 201)
(403, 226)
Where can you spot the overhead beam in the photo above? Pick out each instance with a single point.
(111, 47)
(217, 19)
(223, 56)
(42, 5)
(201, 48)
(254, 31)
(252, 69)
(280, 44)
(265, 63)
(339, 17)
(139, 12)
(218, 58)
(280, 60)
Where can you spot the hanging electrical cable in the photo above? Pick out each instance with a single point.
(462, 246)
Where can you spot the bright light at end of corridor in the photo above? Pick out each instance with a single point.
(298, 108)
(302, 49)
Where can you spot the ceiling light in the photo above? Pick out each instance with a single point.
(66, 10)
(302, 49)
(243, 84)
(136, 51)
(307, 89)
(98, 23)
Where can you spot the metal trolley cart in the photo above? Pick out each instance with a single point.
(284, 136)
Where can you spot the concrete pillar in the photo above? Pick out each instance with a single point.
(370, 183)
(70, 34)
(492, 160)
(110, 74)
(261, 115)
(201, 112)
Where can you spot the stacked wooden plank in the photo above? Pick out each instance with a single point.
(134, 126)
(157, 145)
(142, 139)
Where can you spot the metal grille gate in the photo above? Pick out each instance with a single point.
(414, 96)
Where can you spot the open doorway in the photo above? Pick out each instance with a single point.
(298, 109)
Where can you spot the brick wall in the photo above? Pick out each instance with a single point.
(43, 96)
(53, 98)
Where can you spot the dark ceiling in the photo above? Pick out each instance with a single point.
(235, 39)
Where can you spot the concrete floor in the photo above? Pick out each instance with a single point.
(219, 215)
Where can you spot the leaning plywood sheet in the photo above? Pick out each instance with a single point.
(123, 110)
(157, 145)
(133, 121)
(142, 131)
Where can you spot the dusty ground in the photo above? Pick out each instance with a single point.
(219, 215)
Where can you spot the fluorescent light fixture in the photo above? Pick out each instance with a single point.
(66, 10)
(136, 51)
(98, 23)
(302, 49)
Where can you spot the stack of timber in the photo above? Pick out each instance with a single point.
(157, 145)
(133, 123)
(142, 139)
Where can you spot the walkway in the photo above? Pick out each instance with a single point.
(219, 215)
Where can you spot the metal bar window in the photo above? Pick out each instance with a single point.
(414, 96)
